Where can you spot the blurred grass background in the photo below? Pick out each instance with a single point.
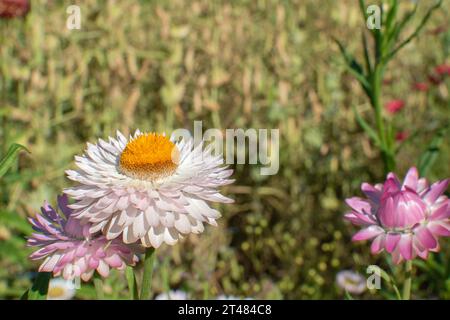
(160, 65)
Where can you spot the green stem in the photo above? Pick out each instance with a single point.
(132, 285)
(375, 99)
(148, 274)
(98, 284)
(408, 280)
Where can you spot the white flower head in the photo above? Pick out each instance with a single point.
(148, 187)
(60, 289)
(351, 281)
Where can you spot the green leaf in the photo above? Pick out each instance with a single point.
(391, 15)
(9, 158)
(366, 54)
(363, 8)
(430, 155)
(39, 288)
(386, 277)
(394, 33)
(353, 66)
(367, 128)
(416, 32)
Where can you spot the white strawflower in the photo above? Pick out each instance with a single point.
(60, 289)
(351, 281)
(147, 187)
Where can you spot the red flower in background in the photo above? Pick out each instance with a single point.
(14, 8)
(442, 69)
(394, 106)
(401, 136)
(421, 86)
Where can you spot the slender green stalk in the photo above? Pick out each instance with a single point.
(408, 280)
(98, 284)
(375, 99)
(132, 285)
(146, 284)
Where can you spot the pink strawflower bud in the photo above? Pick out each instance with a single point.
(421, 86)
(71, 250)
(14, 8)
(405, 219)
(394, 106)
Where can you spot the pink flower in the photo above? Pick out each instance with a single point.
(405, 219)
(14, 8)
(394, 106)
(421, 86)
(70, 250)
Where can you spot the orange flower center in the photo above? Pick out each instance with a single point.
(149, 156)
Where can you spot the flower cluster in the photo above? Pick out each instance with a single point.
(404, 218)
(131, 193)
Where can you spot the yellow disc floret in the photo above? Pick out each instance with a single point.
(149, 156)
(56, 292)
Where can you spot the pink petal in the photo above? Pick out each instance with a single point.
(422, 185)
(436, 190)
(371, 192)
(386, 213)
(359, 219)
(425, 237)
(392, 240)
(358, 204)
(81, 251)
(441, 213)
(114, 261)
(439, 228)
(103, 269)
(411, 178)
(377, 244)
(423, 254)
(367, 233)
(405, 246)
(93, 263)
(392, 178)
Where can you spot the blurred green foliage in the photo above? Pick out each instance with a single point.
(160, 65)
